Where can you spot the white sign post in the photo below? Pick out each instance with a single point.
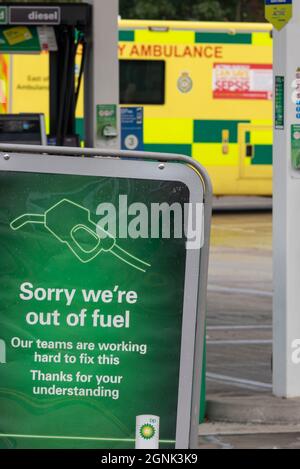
(286, 231)
(103, 66)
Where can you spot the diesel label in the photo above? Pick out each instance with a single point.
(32, 15)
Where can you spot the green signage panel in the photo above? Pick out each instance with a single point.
(106, 118)
(295, 145)
(19, 39)
(279, 102)
(97, 324)
(3, 15)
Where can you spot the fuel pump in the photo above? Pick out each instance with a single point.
(60, 29)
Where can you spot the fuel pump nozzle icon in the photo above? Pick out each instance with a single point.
(71, 224)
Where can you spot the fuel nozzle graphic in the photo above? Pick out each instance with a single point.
(71, 224)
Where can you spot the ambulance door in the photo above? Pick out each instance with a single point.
(255, 151)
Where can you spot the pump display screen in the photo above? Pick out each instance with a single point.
(22, 129)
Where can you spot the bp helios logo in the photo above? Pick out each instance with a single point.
(147, 432)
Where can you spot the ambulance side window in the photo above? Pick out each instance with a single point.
(142, 82)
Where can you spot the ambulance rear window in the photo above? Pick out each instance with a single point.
(142, 82)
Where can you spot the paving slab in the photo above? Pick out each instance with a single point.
(248, 436)
(239, 318)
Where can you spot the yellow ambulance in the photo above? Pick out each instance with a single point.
(206, 90)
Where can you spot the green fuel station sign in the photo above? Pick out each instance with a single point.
(91, 319)
(279, 102)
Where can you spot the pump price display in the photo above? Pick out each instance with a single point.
(92, 348)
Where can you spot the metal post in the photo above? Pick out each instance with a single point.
(102, 66)
(53, 92)
(286, 230)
